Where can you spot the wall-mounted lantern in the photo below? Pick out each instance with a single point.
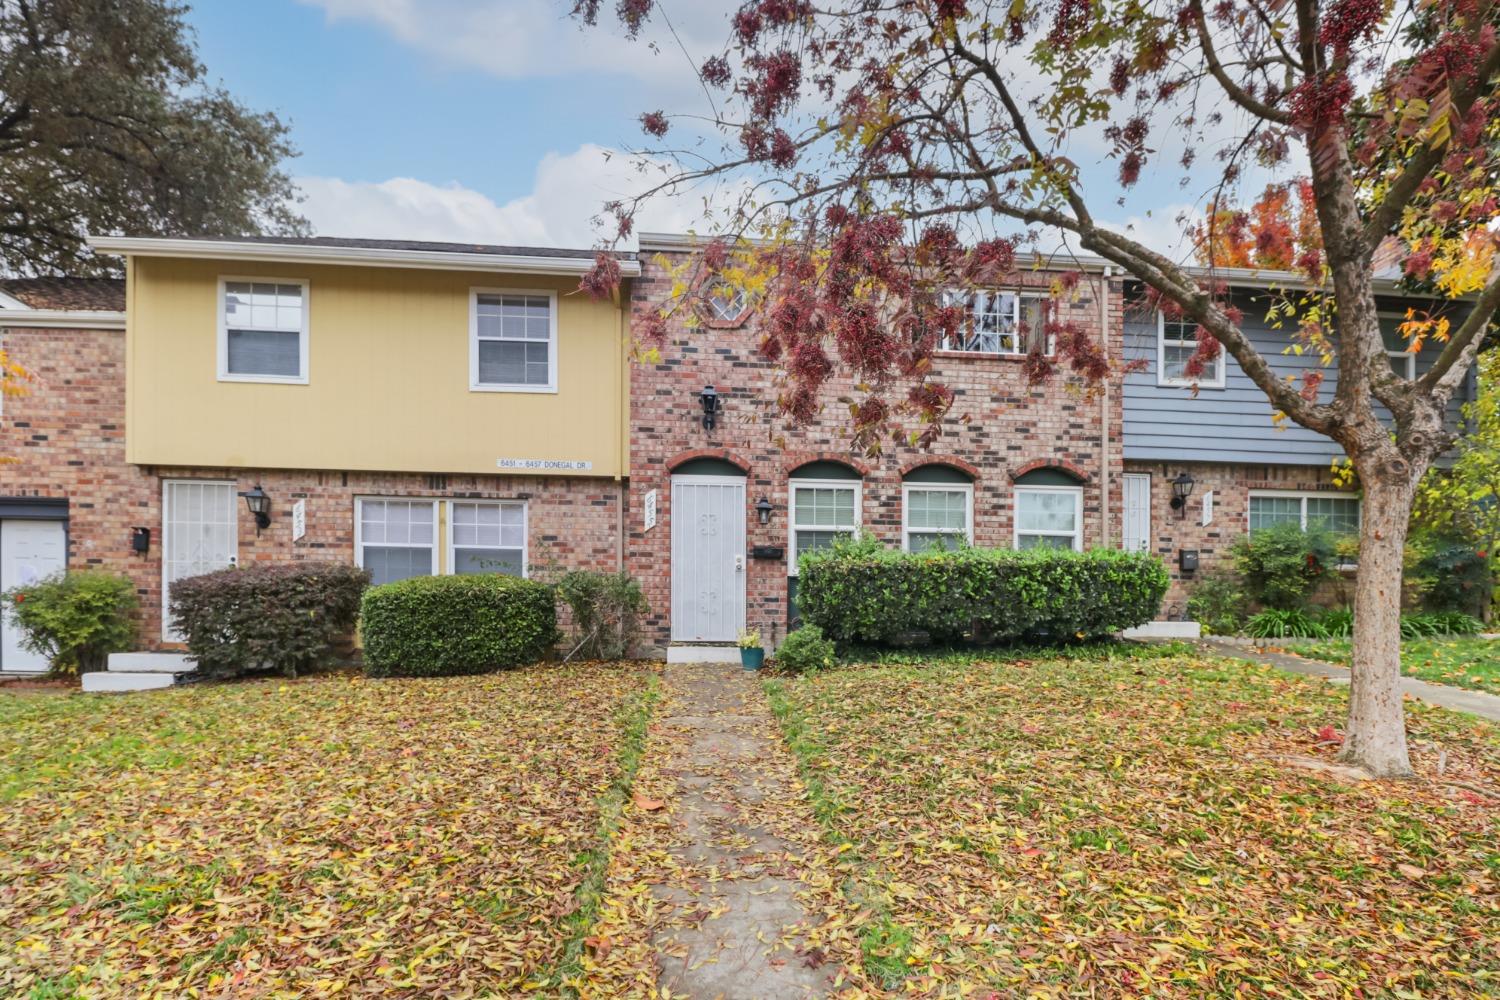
(140, 540)
(763, 508)
(712, 406)
(1182, 488)
(259, 505)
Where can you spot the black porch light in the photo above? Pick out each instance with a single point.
(763, 508)
(712, 406)
(259, 505)
(1182, 488)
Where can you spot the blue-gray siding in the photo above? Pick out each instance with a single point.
(1232, 424)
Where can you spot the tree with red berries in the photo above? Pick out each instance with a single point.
(890, 152)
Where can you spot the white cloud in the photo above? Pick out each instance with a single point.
(528, 38)
(569, 190)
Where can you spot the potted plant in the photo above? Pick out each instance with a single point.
(752, 654)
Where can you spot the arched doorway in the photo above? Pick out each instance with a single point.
(708, 551)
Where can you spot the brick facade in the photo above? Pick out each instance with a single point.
(998, 427)
(1231, 486)
(69, 437)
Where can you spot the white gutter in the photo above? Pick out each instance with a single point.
(446, 260)
(64, 319)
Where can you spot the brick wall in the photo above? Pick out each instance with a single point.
(69, 437)
(998, 425)
(1231, 486)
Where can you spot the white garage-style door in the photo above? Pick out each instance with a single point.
(198, 535)
(29, 551)
(708, 558)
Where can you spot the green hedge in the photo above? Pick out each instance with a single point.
(858, 594)
(268, 616)
(433, 626)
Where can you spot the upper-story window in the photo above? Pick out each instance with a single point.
(1002, 323)
(263, 330)
(727, 303)
(513, 340)
(1176, 343)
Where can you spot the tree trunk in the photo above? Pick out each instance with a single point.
(1376, 735)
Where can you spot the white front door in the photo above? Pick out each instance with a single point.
(708, 558)
(29, 551)
(1136, 535)
(198, 535)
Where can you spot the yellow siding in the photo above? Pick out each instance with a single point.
(388, 377)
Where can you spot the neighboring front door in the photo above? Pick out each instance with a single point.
(198, 535)
(708, 558)
(29, 551)
(1137, 532)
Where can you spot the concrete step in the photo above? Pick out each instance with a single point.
(122, 680)
(170, 663)
(1165, 630)
(703, 654)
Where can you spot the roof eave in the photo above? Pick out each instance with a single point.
(63, 319)
(151, 246)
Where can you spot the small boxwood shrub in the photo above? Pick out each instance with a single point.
(805, 651)
(280, 616)
(859, 594)
(74, 619)
(433, 626)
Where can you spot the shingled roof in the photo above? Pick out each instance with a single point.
(70, 294)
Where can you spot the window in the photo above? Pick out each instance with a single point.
(726, 303)
(1403, 363)
(396, 539)
(263, 330)
(487, 538)
(935, 516)
(822, 510)
(1002, 323)
(1049, 516)
(1337, 512)
(1177, 342)
(513, 341)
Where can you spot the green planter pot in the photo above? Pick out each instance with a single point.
(751, 659)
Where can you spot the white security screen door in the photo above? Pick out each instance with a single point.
(708, 558)
(198, 535)
(29, 551)
(1137, 529)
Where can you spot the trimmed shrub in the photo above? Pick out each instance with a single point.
(439, 626)
(1282, 563)
(607, 609)
(1218, 604)
(284, 616)
(857, 594)
(805, 651)
(76, 619)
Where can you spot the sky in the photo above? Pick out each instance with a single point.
(491, 121)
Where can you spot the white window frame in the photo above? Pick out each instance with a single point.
(553, 358)
(452, 553)
(716, 299)
(967, 489)
(1304, 496)
(303, 353)
(359, 542)
(1221, 367)
(1021, 295)
(793, 485)
(1411, 359)
(1076, 492)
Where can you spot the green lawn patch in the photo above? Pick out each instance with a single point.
(1137, 826)
(332, 835)
(1462, 661)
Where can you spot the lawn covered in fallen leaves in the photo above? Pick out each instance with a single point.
(1136, 827)
(328, 836)
(1463, 661)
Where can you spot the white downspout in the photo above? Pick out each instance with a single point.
(1104, 402)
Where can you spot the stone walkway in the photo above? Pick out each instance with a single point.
(1477, 703)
